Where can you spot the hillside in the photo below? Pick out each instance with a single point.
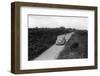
(40, 39)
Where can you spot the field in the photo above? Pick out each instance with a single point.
(40, 39)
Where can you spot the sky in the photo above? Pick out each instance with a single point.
(57, 21)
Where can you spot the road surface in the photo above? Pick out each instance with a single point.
(54, 51)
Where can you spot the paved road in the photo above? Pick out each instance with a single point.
(53, 51)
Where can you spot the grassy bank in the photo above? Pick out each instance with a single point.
(76, 47)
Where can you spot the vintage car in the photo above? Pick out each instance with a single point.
(60, 40)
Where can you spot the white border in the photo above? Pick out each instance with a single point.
(25, 64)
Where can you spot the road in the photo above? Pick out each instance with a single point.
(54, 51)
(51, 53)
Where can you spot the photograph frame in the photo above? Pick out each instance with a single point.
(15, 37)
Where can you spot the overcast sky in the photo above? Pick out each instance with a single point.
(57, 21)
